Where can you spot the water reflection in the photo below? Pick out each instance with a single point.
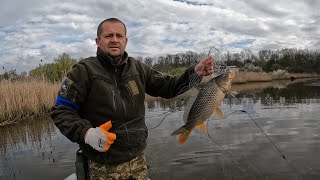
(32, 150)
(174, 104)
(32, 134)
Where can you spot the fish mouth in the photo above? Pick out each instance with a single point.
(232, 74)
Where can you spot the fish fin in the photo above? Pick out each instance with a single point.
(202, 127)
(232, 74)
(218, 112)
(184, 136)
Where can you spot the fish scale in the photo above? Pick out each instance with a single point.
(203, 106)
(206, 102)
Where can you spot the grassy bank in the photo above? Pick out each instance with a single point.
(24, 99)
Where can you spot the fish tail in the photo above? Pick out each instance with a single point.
(184, 136)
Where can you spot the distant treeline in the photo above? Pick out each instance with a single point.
(52, 71)
(291, 60)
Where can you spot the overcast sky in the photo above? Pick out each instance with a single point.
(31, 30)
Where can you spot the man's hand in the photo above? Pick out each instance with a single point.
(204, 67)
(99, 138)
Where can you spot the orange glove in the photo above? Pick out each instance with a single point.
(99, 138)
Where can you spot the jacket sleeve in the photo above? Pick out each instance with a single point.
(167, 86)
(65, 112)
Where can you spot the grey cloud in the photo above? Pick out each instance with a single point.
(266, 8)
(13, 10)
(35, 29)
(312, 25)
(312, 4)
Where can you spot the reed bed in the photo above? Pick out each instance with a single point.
(244, 77)
(24, 99)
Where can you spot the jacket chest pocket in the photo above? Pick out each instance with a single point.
(134, 90)
(103, 93)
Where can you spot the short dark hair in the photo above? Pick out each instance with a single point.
(99, 30)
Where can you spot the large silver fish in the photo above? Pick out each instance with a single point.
(205, 101)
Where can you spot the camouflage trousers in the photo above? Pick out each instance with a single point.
(136, 169)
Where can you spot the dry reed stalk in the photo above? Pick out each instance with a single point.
(25, 98)
(243, 77)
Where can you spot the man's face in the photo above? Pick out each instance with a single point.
(112, 40)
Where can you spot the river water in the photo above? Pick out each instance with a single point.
(270, 131)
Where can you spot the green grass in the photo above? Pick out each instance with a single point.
(177, 71)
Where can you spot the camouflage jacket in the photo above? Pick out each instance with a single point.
(96, 91)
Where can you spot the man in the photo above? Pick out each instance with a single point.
(101, 104)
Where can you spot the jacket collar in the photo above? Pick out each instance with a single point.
(106, 59)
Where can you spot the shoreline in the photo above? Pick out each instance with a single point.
(247, 77)
(32, 98)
